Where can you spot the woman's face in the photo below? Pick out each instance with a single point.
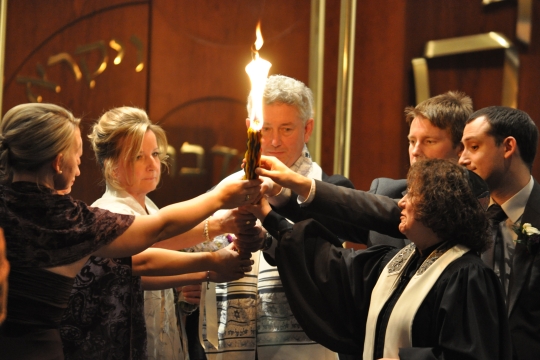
(69, 165)
(408, 222)
(142, 176)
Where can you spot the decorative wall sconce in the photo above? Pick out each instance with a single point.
(470, 44)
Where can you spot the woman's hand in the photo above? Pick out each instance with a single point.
(229, 221)
(277, 171)
(228, 262)
(192, 294)
(233, 193)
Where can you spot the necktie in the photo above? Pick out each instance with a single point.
(495, 254)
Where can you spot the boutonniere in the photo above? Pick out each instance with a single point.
(529, 236)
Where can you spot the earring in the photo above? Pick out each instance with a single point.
(59, 171)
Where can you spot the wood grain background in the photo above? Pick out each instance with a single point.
(193, 82)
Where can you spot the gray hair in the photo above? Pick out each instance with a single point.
(286, 90)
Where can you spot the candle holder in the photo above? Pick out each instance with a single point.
(253, 154)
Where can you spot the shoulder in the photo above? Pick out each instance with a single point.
(468, 269)
(338, 180)
(388, 187)
(119, 206)
(532, 208)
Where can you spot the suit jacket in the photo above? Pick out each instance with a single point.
(348, 213)
(295, 213)
(523, 300)
(393, 189)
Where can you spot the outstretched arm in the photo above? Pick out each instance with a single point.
(162, 262)
(346, 212)
(196, 278)
(178, 218)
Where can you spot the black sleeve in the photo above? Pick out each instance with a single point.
(328, 287)
(294, 212)
(349, 212)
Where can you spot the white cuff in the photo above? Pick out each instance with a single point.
(306, 201)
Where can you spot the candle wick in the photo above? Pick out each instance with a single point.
(254, 52)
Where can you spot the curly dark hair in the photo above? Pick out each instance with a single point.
(442, 200)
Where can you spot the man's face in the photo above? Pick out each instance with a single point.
(481, 154)
(283, 133)
(428, 141)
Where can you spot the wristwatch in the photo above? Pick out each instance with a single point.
(267, 242)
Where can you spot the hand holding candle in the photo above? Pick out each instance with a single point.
(257, 70)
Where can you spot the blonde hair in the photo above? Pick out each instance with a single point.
(33, 134)
(117, 137)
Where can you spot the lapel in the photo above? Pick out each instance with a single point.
(522, 262)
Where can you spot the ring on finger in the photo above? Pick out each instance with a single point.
(248, 222)
(247, 198)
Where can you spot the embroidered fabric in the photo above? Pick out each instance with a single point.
(254, 314)
(401, 258)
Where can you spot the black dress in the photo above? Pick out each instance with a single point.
(45, 230)
(329, 288)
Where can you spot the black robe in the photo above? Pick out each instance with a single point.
(329, 290)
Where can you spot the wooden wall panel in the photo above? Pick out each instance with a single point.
(378, 128)
(389, 35)
(529, 94)
(331, 51)
(195, 85)
(477, 74)
(79, 23)
(198, 85)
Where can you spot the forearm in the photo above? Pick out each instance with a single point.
(351, 209)
(185, 240)
(301, 185)
(170, 221)
(167, 282)
(195, 235)
(161, 262)
(182, 217)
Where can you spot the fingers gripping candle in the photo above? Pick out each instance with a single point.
(257, 70)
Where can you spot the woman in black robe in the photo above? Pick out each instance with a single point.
(434, 299)
(49, 236)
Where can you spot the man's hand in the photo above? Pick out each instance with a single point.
(259, 210)
(277, 171)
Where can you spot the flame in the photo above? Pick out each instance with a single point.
(259, 42)
(257, 70)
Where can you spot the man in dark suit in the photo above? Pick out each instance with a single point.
(500, 145)
(435, 129)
